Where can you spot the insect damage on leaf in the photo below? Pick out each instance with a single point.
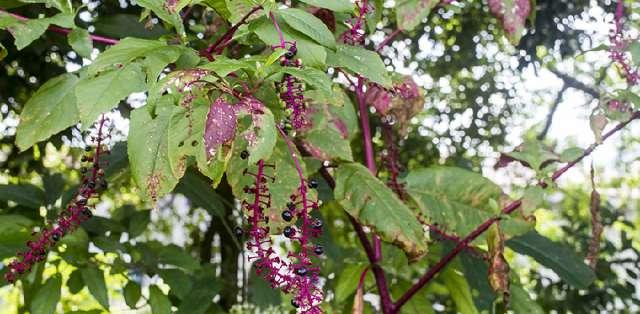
(220, 127)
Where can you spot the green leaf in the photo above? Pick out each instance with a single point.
(220, 6)
(309, 25)
(327, 144)
(80, 41)
(313, 77)
(126, 25)
(360, 61)
(333, 5)
(560, 258)
(198, 300)
(132, 294)
(148, 149)
(634, 48)
(25, 32)
(138, 223)
(76, 247)
(15, 231)
(178, 280)
(265, 141)
(520, 301)
(166, 13)
(159, 302)
(3, 52)
(27, 195)
(103, 92)
(75, 282)
(93, 277)
(196, 188)
(459, 289)
(410, 13)
(533, 197)
(458, 199)
(50, 110)
(373, 204)
(347, 283)
(534, 153)
(47, 297)
(571, 153)
(177, 256)
(223, 65)
(309, 52)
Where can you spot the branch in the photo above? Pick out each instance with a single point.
(225, 39)
(434, 270)
(552, 112)
(574, 83)
(65, 31)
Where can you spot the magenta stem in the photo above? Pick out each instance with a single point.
(65, 31)
(435, 269)
(388, 39)
(280, 35)
(225, 39)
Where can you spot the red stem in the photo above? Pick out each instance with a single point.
(435, 269)
(223, 41)
(280, 35)
(388, 39)
(65, 31)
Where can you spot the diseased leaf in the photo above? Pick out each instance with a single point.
(360, 61)
(309, 25)
(333, 5)
(50, 110)
(148, 149)
(410, 13)
(103, 92)
(561, 259)
(458, 199)
(262, 146)
(47, 297)
(220, 127)
(373, 204)
(512, 14)
(80, 41)
(93, 277)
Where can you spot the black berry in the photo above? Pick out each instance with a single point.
(287, 215)
(295, 304)
(87, 149)
(301, 271)
(317, 224)
(238, 231)
(244, 154)
(319, 250)
(289, 232)
(291, 206)
(55, 237)
(289, 55)
(313, 183)
(87, 212)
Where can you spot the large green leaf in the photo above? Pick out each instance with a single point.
(333, 5)
(458, 199)
(309, 52)
(410, 13)
(159, 302)
(93, 277)
(459, 289)
(360, 61)
(196, 188)
(25, 32)
(309, 25)
(198, 300)
(373, 204)
(520, 301)
(561, 259)
(132, 294)
(327, 144)
(50, 110)
(23, 194)
(80, 42)
(47, 297)
(148, 149)
(15, 231)
(165, 12)
(103, 92)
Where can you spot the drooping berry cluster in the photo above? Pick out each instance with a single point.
(78, 211)
(291, 91)
(618, 49)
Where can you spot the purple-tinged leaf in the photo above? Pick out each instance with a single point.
(220, 127)
(512, 14)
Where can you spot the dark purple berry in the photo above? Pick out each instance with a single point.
(291, 206)
(87, 149)
(319, 250)
(238, 231)
(295, 304)
(87, 212)
(317, 224)
(289, 231)
(81, 201)
(83, 169)
(55, 237)
(289, 55)
(287, 215)
(302, 271)
(313, 183)
(244, 154)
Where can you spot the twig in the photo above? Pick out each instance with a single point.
(388, 39)
(65, 31)
(552, 112)
(434, 270)
(574, 83)
(224, 40)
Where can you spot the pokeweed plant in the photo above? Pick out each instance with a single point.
(259, 104)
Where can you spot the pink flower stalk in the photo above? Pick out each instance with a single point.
(292, 92)
(618, 48)
(356, 34)
(75, 214)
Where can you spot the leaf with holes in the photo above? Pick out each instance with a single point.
(148, 149)
(373, 204)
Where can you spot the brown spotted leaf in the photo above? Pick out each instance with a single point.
(498, 266)
(374, 205)
(148, 148)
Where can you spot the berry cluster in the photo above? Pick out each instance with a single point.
(618, 48)
(355, 34)
(291, 92)
(78, 211)
(296, 274)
